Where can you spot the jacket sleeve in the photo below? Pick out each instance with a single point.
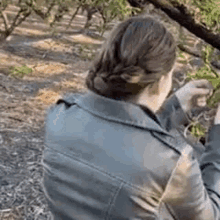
(193, 191)
(171, 114)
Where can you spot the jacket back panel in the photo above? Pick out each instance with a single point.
(111, 170)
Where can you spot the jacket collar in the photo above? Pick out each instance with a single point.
(118, 111)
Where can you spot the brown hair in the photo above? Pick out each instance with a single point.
(136, 54)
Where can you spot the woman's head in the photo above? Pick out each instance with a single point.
(138, 52)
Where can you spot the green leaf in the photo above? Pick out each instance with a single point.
(193, 130)
(215, 99)
(198, 130)
(21, 71)
(181, 55)
(182, 61)
(213, 80)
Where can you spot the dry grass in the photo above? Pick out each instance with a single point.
(22, 112)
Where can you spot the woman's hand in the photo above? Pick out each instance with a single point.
(194, 94)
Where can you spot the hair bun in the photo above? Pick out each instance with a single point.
(137, 53)
(131, 74)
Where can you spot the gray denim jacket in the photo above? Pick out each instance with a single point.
(108, 160)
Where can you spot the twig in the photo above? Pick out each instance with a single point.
(5, 88)
(214, 92)
(50, 8)
(17, 119)
(73, 16)
(197, 118)
(180, 14)
(208, 118)
(186, 129)
(189, 51)
(6, 210)
(216, 74)
(5, 19)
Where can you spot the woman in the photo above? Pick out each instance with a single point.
(114, 153)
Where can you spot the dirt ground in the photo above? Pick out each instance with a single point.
(59, 62)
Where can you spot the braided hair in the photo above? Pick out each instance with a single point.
(136, 54)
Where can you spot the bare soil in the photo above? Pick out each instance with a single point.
(59, 63)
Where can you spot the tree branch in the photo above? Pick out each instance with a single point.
(39, 12)
(73, 16)
(18, 19)
(5, 19)
(50, 8)
(189, 51)
(180, 14)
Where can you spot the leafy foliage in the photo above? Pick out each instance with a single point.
(198, 130)
(206, 12)
(110, 10)
(208, 73)
(210, 11)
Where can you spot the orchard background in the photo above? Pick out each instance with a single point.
(46, 49)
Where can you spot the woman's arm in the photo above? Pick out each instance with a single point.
(182, 101)
(171, 114)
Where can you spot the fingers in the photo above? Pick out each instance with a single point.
(202, 83)
(200, 96)
(201, 92)
(201, 101)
